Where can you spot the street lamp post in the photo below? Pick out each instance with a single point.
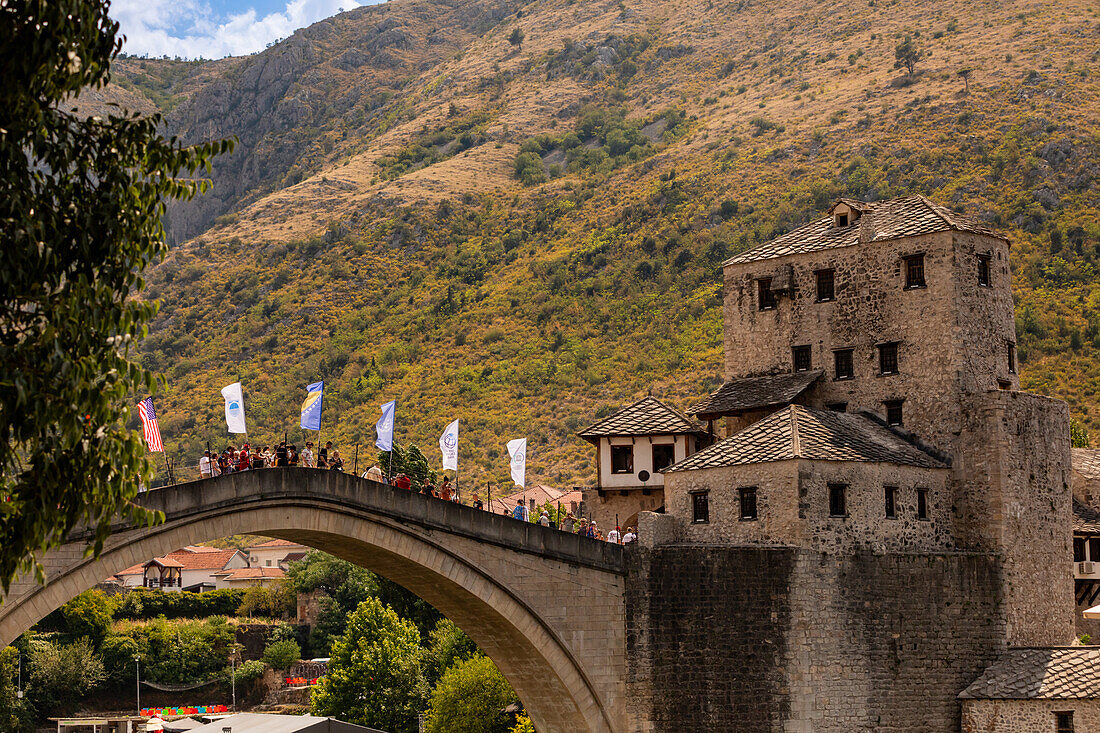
(137, 680)
(233, 651)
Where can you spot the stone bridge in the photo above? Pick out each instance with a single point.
(548, 607)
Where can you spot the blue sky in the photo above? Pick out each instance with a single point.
(216, 28)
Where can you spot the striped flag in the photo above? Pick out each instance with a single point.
(149, 425)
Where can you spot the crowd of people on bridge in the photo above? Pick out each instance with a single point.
(247, 458)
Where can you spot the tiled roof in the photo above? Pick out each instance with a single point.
(274, 543)
(195, 548)
(166, 562)
(188, 560)
(647, 416)
(1086, 461)
(1058, 673)
(750, 393)
(250, 573)
(1085, 520)
(811, 434)
(905, 217)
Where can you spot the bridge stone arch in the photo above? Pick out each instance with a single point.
(546, 606)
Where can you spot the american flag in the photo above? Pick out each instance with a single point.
(149, 425)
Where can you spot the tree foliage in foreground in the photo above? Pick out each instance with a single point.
(470, 697)
(81, 200)
(374, 677)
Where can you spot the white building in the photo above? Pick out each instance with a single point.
(192, 568)
(275, 554)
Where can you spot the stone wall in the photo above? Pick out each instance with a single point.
(761, 639)
(1027, 716)
(793, 506)
(952, 334)
(1012, 496)
(622, 504)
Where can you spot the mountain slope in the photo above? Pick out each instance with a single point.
(416, 265)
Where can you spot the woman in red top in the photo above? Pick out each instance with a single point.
(244, 462)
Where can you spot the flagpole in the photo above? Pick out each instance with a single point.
(355, 470)
(393, 428)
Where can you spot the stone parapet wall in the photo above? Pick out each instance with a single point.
(747, 639)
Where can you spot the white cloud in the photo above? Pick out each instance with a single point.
(191, 28)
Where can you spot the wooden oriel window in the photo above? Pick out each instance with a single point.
(826, 285)
(914, 271)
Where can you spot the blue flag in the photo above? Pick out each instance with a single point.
(311, 408)
(384, 427)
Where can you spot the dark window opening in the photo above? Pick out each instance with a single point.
(838, 500)
(1078, 549)
(826, 282)
(622, 459)
(1012, 358)
(1004, 384)
(893, 412)
(1094, 549)
(983, 270)
(802, 359)
(844, 364)
(914, 271)
(748, 502)
(922, 503)
(700, 507)
(765, 296)
(888, 359)
(842, 220)
(1063, 722)
(891, 502)
(837, 406)
(663, 457)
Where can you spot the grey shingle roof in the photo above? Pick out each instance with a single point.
(1056, 673)
(1085, 520)
(750, 393)
(1086, 461)
(647, 416)
(904, 217)
(817, 435)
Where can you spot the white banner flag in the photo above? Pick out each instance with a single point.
(234, 408)
(448, 444)
(517, 452)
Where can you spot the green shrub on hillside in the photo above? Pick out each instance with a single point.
(147, 603)
(281, 654)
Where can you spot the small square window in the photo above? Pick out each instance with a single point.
(914, 271)
(843, 363)
(1012, 358)
(622, 459)
(1063, 722)
(1004, 384)
(826, 285)
(802, 359)
(765, 297)
(700, 507)
(888, 359)
(837, 406)
(891, 496)
(838, 500)
(842, 220)
(983, 270)
(748, 502)
(893, 412)
(922, 503)
(1079, 549)
(663, 457)
(1094, 549)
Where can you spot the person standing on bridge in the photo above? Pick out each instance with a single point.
(569, 523)
(307, 455)
(336, 463)
(521, 512)
(477, 503)
(614, 536)
(374, 473)
(205, 469)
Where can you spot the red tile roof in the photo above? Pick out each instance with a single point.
(274, 543)
(250, 573)
(188, 560)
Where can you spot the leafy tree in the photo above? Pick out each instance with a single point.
(907, 54)
(16, 715)
(80, 204)
(410, 461)
(447, 645)
(523, 724)
(275, 601)
(59, 677)
(374, 677)
(89, 614)
(964, 74)
(470, 697)
(516, 39)
(282, 654)
(1078, 434)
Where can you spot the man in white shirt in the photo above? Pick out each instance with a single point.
(629, 536)
(613, 536)
(205, 471)
(307, 456)
(374, 473)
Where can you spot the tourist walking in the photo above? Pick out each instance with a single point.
(544, 519)
(630, 536)
(521, 512)
(374, 473)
